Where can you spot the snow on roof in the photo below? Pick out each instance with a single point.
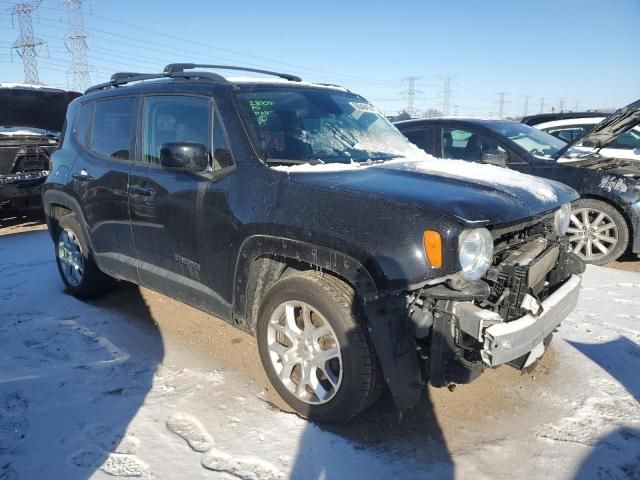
(27, 86)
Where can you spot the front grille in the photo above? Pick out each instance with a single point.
(24, 158)
(523, 258)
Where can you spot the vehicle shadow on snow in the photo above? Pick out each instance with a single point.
(617, 455)
(72, 376)
(385, 437)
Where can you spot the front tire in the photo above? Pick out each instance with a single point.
(598, 232)
(74, 258)
(314, 350)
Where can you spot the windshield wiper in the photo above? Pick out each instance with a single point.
(290, 161)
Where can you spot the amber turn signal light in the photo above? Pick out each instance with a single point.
(433, 247)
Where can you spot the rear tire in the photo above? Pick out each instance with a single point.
(598, 232)
(304, 319)
(74, 258)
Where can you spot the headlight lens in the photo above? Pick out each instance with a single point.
(475, 249)
(562, 219)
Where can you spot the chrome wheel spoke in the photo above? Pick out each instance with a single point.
(605, 238)
(598, 220)
(576, 222)
(602, 228)
(601, 247)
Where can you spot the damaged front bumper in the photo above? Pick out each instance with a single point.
(505, 342)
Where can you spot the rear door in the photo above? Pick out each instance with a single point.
(104, 130)
(172, 212)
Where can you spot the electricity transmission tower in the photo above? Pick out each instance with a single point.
(541, 104)
(525, 110)
(78, 45)
(26, 45)
(446, 94)
(410, 92)
(501, 102)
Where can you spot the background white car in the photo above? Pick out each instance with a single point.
(626, 145)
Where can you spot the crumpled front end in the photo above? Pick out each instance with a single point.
(507, 316)
(449, 331)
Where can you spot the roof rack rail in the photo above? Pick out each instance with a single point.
(122, 78)
(181, 67)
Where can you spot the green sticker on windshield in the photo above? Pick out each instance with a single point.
(261, 109)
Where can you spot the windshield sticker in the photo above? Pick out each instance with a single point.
(261, 109)
(610, 183)
(363, 107)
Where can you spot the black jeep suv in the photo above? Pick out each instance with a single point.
(31, 118)
(298, 213)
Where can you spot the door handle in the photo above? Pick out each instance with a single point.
(83, 175)
(138, 190)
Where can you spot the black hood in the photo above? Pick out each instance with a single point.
(471, 193)
(609, 129)
(30, 106)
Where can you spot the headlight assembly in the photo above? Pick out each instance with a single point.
(562, 219)
(475, 249)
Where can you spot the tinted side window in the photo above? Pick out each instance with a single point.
(83, 123)
(627, 141)
(175, 118)
(111, 132)
(423, 138)
(468, 145)
(568, 134)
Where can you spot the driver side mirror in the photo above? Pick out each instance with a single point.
(498, 158)
(188, 157)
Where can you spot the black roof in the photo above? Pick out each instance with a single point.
(550, 117)
(177, 71)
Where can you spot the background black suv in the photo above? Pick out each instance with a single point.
(31, 119)
(287, 209)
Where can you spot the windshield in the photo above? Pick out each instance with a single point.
(534, 141)
(290, 126)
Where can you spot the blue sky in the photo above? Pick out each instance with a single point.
(579, 52)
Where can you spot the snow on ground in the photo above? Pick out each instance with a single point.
(88, 390)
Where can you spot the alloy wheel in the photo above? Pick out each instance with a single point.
(70, 257)
(304, 352)
(593, 234)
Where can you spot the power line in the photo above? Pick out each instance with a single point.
(26, 45)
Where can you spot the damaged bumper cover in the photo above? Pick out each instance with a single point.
(505, 342)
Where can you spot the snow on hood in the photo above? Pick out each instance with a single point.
(490, 175)
(421, 162)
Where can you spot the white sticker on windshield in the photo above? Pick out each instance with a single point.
(363, 107)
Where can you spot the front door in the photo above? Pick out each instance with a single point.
(171, 214)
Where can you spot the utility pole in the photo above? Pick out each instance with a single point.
(525, 110)
(78, 45)
(541, 104)
(410, 92)
(26, 45)
(501, 102)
